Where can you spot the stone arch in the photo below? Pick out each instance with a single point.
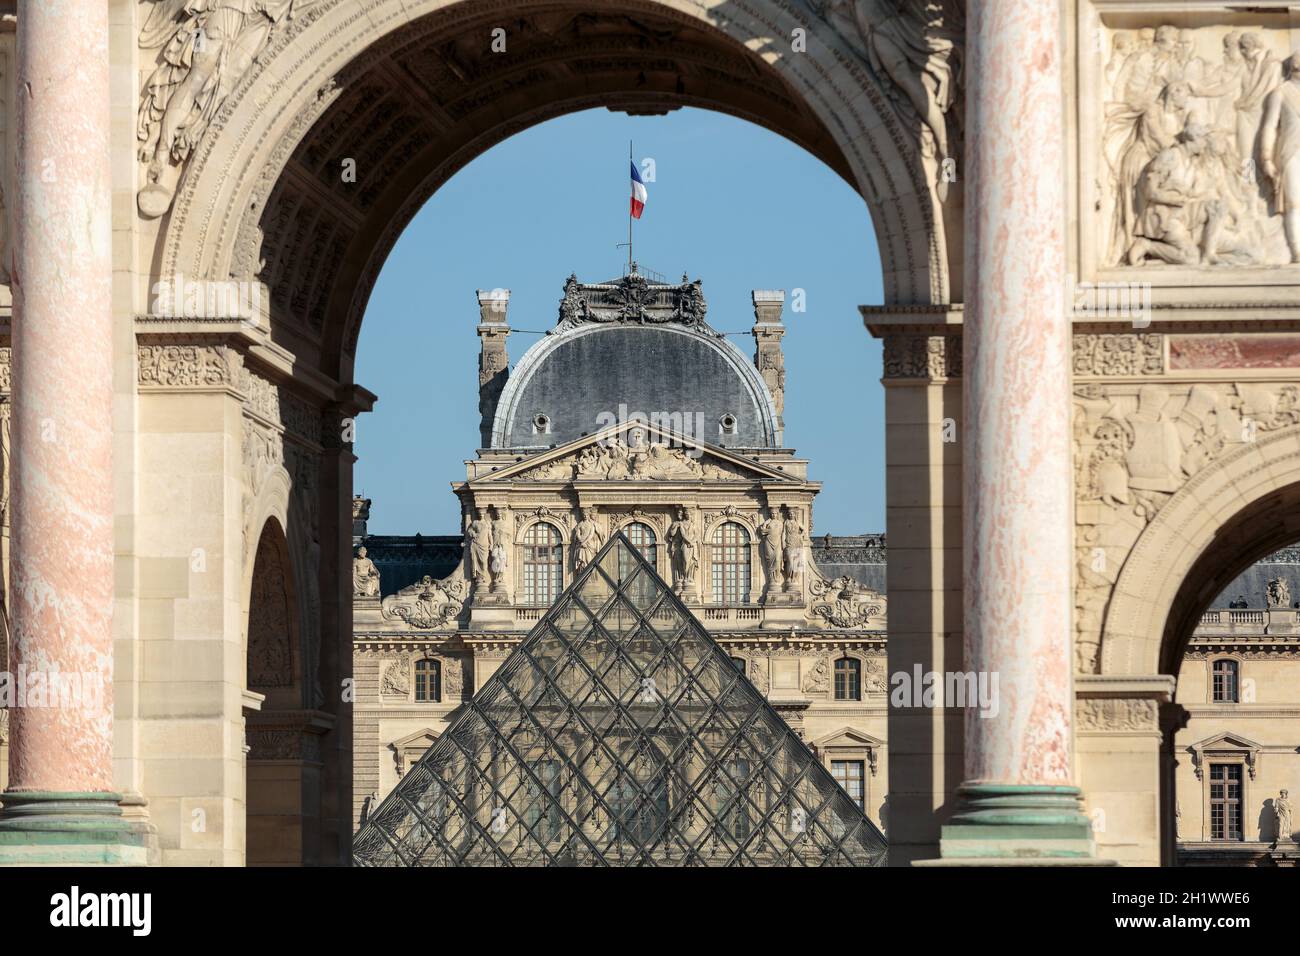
(1223, 519)
(367, 81)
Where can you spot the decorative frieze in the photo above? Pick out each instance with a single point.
(928, 357)
(187, 366)
(1116, 714)
(1119, 354)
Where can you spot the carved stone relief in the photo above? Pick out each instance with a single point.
(395, 677)
(1199, 157)
(915, 54)
(204, 49)
(845, 602)
(1135, 445)
(615, 459)
(818, 678)
(270, 662)
(1115, 714)
(428, 604)
(922, 356)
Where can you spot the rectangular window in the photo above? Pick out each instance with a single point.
(1225, 682)
(1225, 801)
(849, 775)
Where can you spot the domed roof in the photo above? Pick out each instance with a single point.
(633, 348)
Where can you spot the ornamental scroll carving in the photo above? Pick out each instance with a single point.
(172, 366)
(844, 602)
(633, 298)
(1119, 355)
(1199, 156)
(427, 604)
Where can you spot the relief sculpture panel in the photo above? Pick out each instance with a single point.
(1198, 144)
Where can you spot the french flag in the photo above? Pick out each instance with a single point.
(639, 194)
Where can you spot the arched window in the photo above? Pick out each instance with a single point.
(642, 537)
(848, 679)
(428, 681)
(1225, 684)
(543, 568)
(730, 564)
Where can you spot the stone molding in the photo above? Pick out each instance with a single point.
(1116, 714)
(928, 357)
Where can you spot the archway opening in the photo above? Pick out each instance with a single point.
(1233, 642)
(283, 760)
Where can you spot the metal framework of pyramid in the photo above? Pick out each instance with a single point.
(618, 733)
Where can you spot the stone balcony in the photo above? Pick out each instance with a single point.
(1249, 622)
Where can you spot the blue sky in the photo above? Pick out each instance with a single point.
(732, 204)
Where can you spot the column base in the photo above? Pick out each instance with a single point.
(1018, 825)
(43, 828)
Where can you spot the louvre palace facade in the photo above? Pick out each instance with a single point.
(632, 416)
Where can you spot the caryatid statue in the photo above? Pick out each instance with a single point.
(499, 557)
(1282, 810)
(587, 540)
(478, 534)
(795, 547)
(1279, 147)
(772, 534)
(365, 576)
(684, 548)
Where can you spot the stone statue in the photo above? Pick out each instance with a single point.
(1282, 810)
(683, 546)
(502, 541)
(795, 548)
(772, 535)
(1279, 148)
(365, 576)
(1279, 593)
(478, 534)
(209, 46)
(1238, 602)
(587, 539)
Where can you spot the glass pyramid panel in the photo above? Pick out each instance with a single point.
(618, 733)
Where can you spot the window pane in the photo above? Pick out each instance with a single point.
(543, 571)
(730, 564)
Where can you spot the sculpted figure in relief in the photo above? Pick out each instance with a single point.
(1181, 140)
(1280, 151)
(915, 49)
(209, 46)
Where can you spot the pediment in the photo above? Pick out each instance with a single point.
(637, 451)
(428, 736)
(847, 737)
(1226, 741)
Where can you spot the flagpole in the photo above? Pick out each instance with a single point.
(629, 217)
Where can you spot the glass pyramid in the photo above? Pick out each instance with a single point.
(618, 733)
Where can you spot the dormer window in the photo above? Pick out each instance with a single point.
(727, 424)
(541, 424)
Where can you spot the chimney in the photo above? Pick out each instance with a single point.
(768, 357)
(360, 517)
(493, 362)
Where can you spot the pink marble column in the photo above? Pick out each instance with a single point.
(1018, 507)
(62, 524)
